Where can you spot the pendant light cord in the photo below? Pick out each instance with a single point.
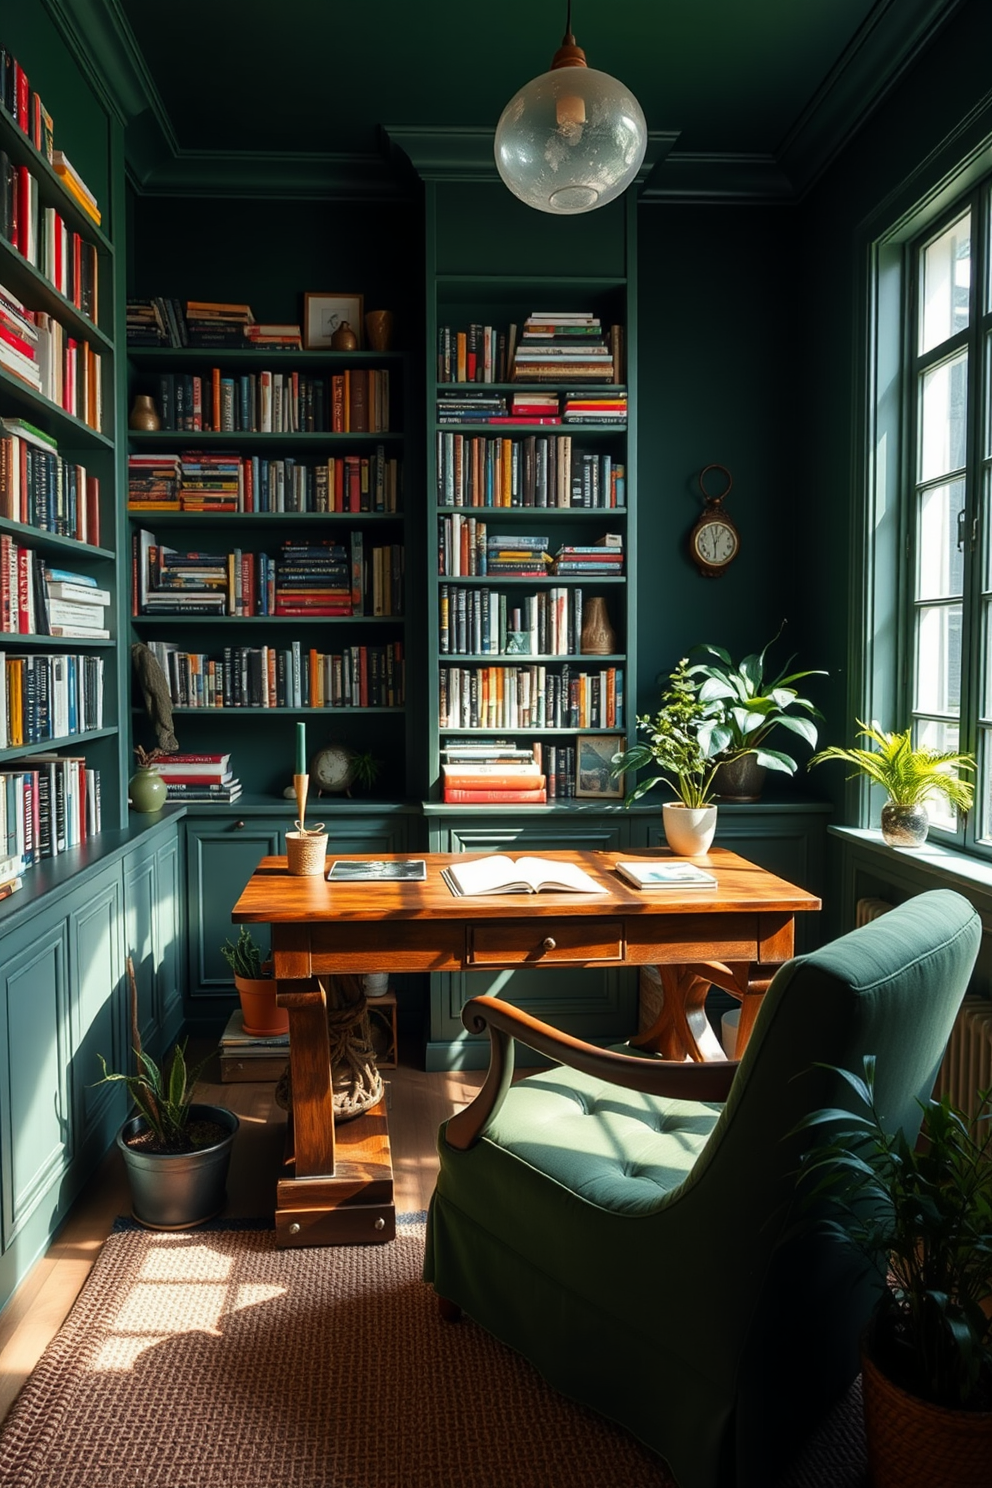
(568, 39)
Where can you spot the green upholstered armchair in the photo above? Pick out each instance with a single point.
(641, 1243)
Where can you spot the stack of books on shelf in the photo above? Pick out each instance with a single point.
(492, 772)
(18, 339)
(595, 408)
(243, 1057)
(155, 322)
(202, 778)
(603, 558)
(46, 697)
(41, 489)
(472, 407)
(153, 482)
(313, 579)
(277, 336)
(209, 482)
(215, 323)
(76, 186)
(559, 346)
(535, 408)
(49, 803)
(169, 582)
(518, 556)
(74, 605)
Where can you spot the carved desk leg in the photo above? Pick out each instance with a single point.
(310, 1066)
(682, 1027)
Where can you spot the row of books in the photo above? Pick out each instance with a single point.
(244, 1057)
(163, 321)
(603, 558)
(206, 778)
(49, 803)
(538, 470)
(492, 772)
(24, 106)
(485, 622)
(485, 353)
(534, 696)
(41, 235)
(302, 579)
(45, 697)
(355, 401)
(199, 480)
(36, 599)
(287, 677)
(40, 488)
(36, 347)
(595, 408)
(466, 549)
(566, 346)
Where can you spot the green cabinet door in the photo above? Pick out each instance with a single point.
(221, 857)
(99, 1021)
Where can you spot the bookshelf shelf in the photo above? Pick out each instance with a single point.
(65, 427)
(277, 621)
(17, 272)
(294, 712)
(64, 741)
(208, 438)
(69, 548)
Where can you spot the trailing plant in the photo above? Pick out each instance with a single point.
(677, 744)
(908, 774)
(243, 956)
(750, 706)
(163, 1095)
(922, 1217)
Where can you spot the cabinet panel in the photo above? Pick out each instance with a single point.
(168, 936)
(34, 1101)
(99, 1018)
(220, 859)
(139, 938)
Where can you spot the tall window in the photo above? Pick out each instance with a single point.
(950, 420)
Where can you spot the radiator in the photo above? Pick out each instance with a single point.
(967, 1064)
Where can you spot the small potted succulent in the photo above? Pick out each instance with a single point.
(910, 776)
(260, 1012)
(679, 745)
(921, 1217)
(176, 1152)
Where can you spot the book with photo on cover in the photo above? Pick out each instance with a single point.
(378, 870)
(663, 875)
(502, 875)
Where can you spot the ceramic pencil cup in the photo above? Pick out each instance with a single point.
(306, 851)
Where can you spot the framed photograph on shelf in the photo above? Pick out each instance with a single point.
(323, 314)
(594, 756)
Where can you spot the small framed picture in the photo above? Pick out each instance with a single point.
(594, 763)
(323, 314)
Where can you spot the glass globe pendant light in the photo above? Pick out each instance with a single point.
(571, 139)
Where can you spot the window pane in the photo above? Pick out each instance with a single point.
(983, 792)
(938, 659)
(943, 418)
(940, 562)
(942, 737)
(946, 283)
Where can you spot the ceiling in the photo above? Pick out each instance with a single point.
(764, 90)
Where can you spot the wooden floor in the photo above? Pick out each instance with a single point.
(418, 1103)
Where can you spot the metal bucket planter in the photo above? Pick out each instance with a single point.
(173, 1190)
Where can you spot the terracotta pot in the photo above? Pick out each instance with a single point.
(913, 1444)
(740, 779)
(260, 1013)
(688, 829)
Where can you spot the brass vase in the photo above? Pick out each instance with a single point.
(344, 338)
(144, 414)
(598, 636)
(379, 329)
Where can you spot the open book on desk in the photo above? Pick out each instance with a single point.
(502, 875)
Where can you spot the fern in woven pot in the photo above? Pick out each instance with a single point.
(922, 1218)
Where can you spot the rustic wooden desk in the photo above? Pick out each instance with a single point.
(734, 936)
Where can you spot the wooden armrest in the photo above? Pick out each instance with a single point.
(665, 1077)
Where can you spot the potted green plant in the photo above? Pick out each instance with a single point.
(679, 746)
(751, 707)
(177, 1152)
(910, 775)
(922, 1217)
(261, 1014)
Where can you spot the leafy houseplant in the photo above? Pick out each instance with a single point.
(751, 707)
(678, 747)
(909, 775)
(922, 1217)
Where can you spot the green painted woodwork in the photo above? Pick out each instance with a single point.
(100, 1022)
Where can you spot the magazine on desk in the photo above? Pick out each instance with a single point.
(664, 875)
(499, 874)
(378, 870)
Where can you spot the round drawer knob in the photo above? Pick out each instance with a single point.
(294, 1229)
(380, 1223)
(548, 944)
(239, 826)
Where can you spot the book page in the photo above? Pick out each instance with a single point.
(501, 875)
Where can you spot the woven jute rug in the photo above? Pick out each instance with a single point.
(213, 1360)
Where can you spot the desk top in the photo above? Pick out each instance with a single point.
(273, 896)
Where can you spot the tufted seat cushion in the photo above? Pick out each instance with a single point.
(615, 1148)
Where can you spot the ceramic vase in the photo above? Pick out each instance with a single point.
(598, 635)
(344, 338)
(379, 329)
(689, 830)
(146, 789)
(740, 779)
(904, 826)
(144, 414)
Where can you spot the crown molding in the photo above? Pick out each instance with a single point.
(752, 179)
(272, 174)
(103, 45)
(449, 153)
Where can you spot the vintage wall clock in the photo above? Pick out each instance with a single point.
(714, 541)
(332, 769)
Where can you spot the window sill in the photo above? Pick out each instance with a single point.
(945, 865)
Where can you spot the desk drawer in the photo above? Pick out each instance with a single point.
(545, 941)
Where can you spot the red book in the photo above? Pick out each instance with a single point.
(77, 271)
(59, 255)
(193, 759)
(218, 777)
(92, 509)
(23, 225)
(493, 797)
(14, 340)
(491, 777)
(22, 97)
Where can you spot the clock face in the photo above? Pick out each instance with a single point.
(332, 769)
(715, 543)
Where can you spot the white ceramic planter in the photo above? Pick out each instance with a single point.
(688, 829)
